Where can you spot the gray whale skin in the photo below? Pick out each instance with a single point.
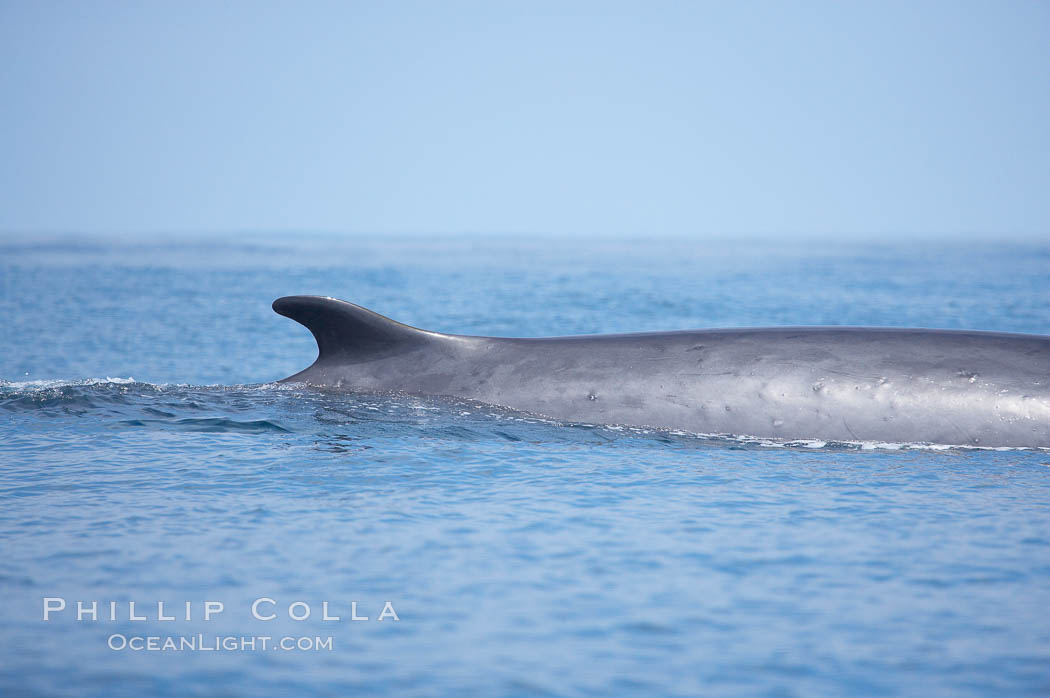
(824, 383)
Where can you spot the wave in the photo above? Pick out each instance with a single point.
(127, 403)
(62, 383)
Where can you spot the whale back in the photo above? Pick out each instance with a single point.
(839, 383)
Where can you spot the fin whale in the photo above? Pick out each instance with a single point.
(830, 383)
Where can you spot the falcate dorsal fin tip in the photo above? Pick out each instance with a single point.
(347, 331)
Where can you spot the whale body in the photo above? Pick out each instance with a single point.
(829, 383)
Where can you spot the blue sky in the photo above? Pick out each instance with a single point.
(718, 119)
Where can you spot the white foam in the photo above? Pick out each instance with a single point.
(50, 383)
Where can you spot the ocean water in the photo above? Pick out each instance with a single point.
(146, 455)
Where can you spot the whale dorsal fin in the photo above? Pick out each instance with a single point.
(346, 331)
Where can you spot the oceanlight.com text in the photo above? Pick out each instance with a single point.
(218, 643)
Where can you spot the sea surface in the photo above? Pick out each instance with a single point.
(146, 455)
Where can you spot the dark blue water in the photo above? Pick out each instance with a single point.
(144, 457)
